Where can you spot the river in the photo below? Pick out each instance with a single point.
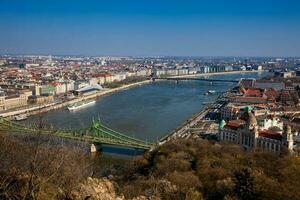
(149, 111)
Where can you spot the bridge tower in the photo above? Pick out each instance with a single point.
(153, 74)
(96, 147)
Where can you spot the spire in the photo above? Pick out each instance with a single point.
(287, 130)
(248, 109)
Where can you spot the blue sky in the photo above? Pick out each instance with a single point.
(152, 27)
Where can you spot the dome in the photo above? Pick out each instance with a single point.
(222, 124)
(248, 109)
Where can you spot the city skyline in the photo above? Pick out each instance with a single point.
(144, 28)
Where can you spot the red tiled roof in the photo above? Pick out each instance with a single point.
(253, 92)
(235, 124)
(251, 99)
(271, 93)
(270, 134)
(101, 75)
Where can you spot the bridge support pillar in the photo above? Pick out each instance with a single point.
(95, 148)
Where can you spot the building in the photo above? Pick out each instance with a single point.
(286, 98)
(230, 111)
(88, 90)
(40, 99)
(60, 88)
(247, 82)
(15, 101)
(250, 100)
(69, 86)
(258, 68)
(249, 134)
(79, 84)
(47, 89)
(289, 86)
(286, 74)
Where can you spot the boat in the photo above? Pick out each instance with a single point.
(210, 92)
(80, 105)
(20, 117)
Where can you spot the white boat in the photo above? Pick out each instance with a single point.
(80, 105)
(20, 117)
(210, 92)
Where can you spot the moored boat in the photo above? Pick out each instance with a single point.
(20, 117)
(80, 105)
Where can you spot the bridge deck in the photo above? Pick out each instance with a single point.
(197, 79)
(97, 134)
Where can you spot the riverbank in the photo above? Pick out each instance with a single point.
(185, 129)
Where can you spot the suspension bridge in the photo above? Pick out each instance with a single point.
(97, 134)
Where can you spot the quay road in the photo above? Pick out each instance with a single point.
(195, 79)
(181, 131)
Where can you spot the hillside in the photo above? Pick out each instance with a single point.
(198, 169)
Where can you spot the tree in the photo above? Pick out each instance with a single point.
(37, 168)
(244, 185)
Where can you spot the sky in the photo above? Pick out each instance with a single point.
(151, 27)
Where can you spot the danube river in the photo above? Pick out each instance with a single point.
(149, 111)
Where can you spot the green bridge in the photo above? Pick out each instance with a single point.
(97, 134)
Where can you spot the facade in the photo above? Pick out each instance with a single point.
(60, 88)
(16, 101)
(41, 99)
(289, 86)
(249, 134)
(69, 86)
(229, 112)
(286, 74)
(46, 89)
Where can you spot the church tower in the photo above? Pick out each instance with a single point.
(287, 138)
(249, 135)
